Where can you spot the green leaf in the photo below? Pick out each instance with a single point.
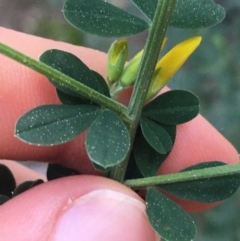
(7, 181)
(101, 18)
(205, 190)
(147, 7)
(170, 221)
(156, 136)
(102, 82)
(107, 140)
(3, 199)
(197, 14)
(132, 171)
(55, 124)
(67, 99)
(187, 13)
(147, 159)
(100, 168)
(55, 171)
(26, 186)
(72, 100)
(173, 107)
(73, 67)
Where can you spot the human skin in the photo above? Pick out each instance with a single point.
(85, 207)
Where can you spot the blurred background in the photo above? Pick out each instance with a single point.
(212, 73)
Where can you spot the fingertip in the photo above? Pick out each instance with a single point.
(104, 215)
(75, 207)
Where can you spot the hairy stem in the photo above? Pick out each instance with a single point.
(188, 176)
(155, 39)
(66, 81)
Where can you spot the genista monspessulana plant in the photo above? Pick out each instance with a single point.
(128, 143)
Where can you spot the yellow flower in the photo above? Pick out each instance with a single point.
(170, 64)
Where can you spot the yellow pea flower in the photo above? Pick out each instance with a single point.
(170, 63)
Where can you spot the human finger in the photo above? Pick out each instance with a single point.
(23, 89)
(76, 208)
(196, 140)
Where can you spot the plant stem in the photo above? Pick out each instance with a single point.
(188, 176)
(155, 39)
(65, 80)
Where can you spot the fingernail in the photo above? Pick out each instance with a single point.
(103, 215)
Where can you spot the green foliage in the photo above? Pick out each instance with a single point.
(55, 124)
(173, 107)
(132, 171)
(71, 66)
(187, 13)
(102, 83)
(158, 128)
(167, 218)
(101, 18)
(147, 159)
(205, 190)
(197, 14)
(101, 168)
(115, 139)
(156, 135)
(107, 140)
(68, 99)
(148, 8)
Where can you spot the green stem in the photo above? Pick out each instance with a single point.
(188, 176)
(156, 36)
(155, 39)
(65, 80)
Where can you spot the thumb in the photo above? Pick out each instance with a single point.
(76, 208)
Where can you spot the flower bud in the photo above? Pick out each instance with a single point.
(130, 71)
(117, 56)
